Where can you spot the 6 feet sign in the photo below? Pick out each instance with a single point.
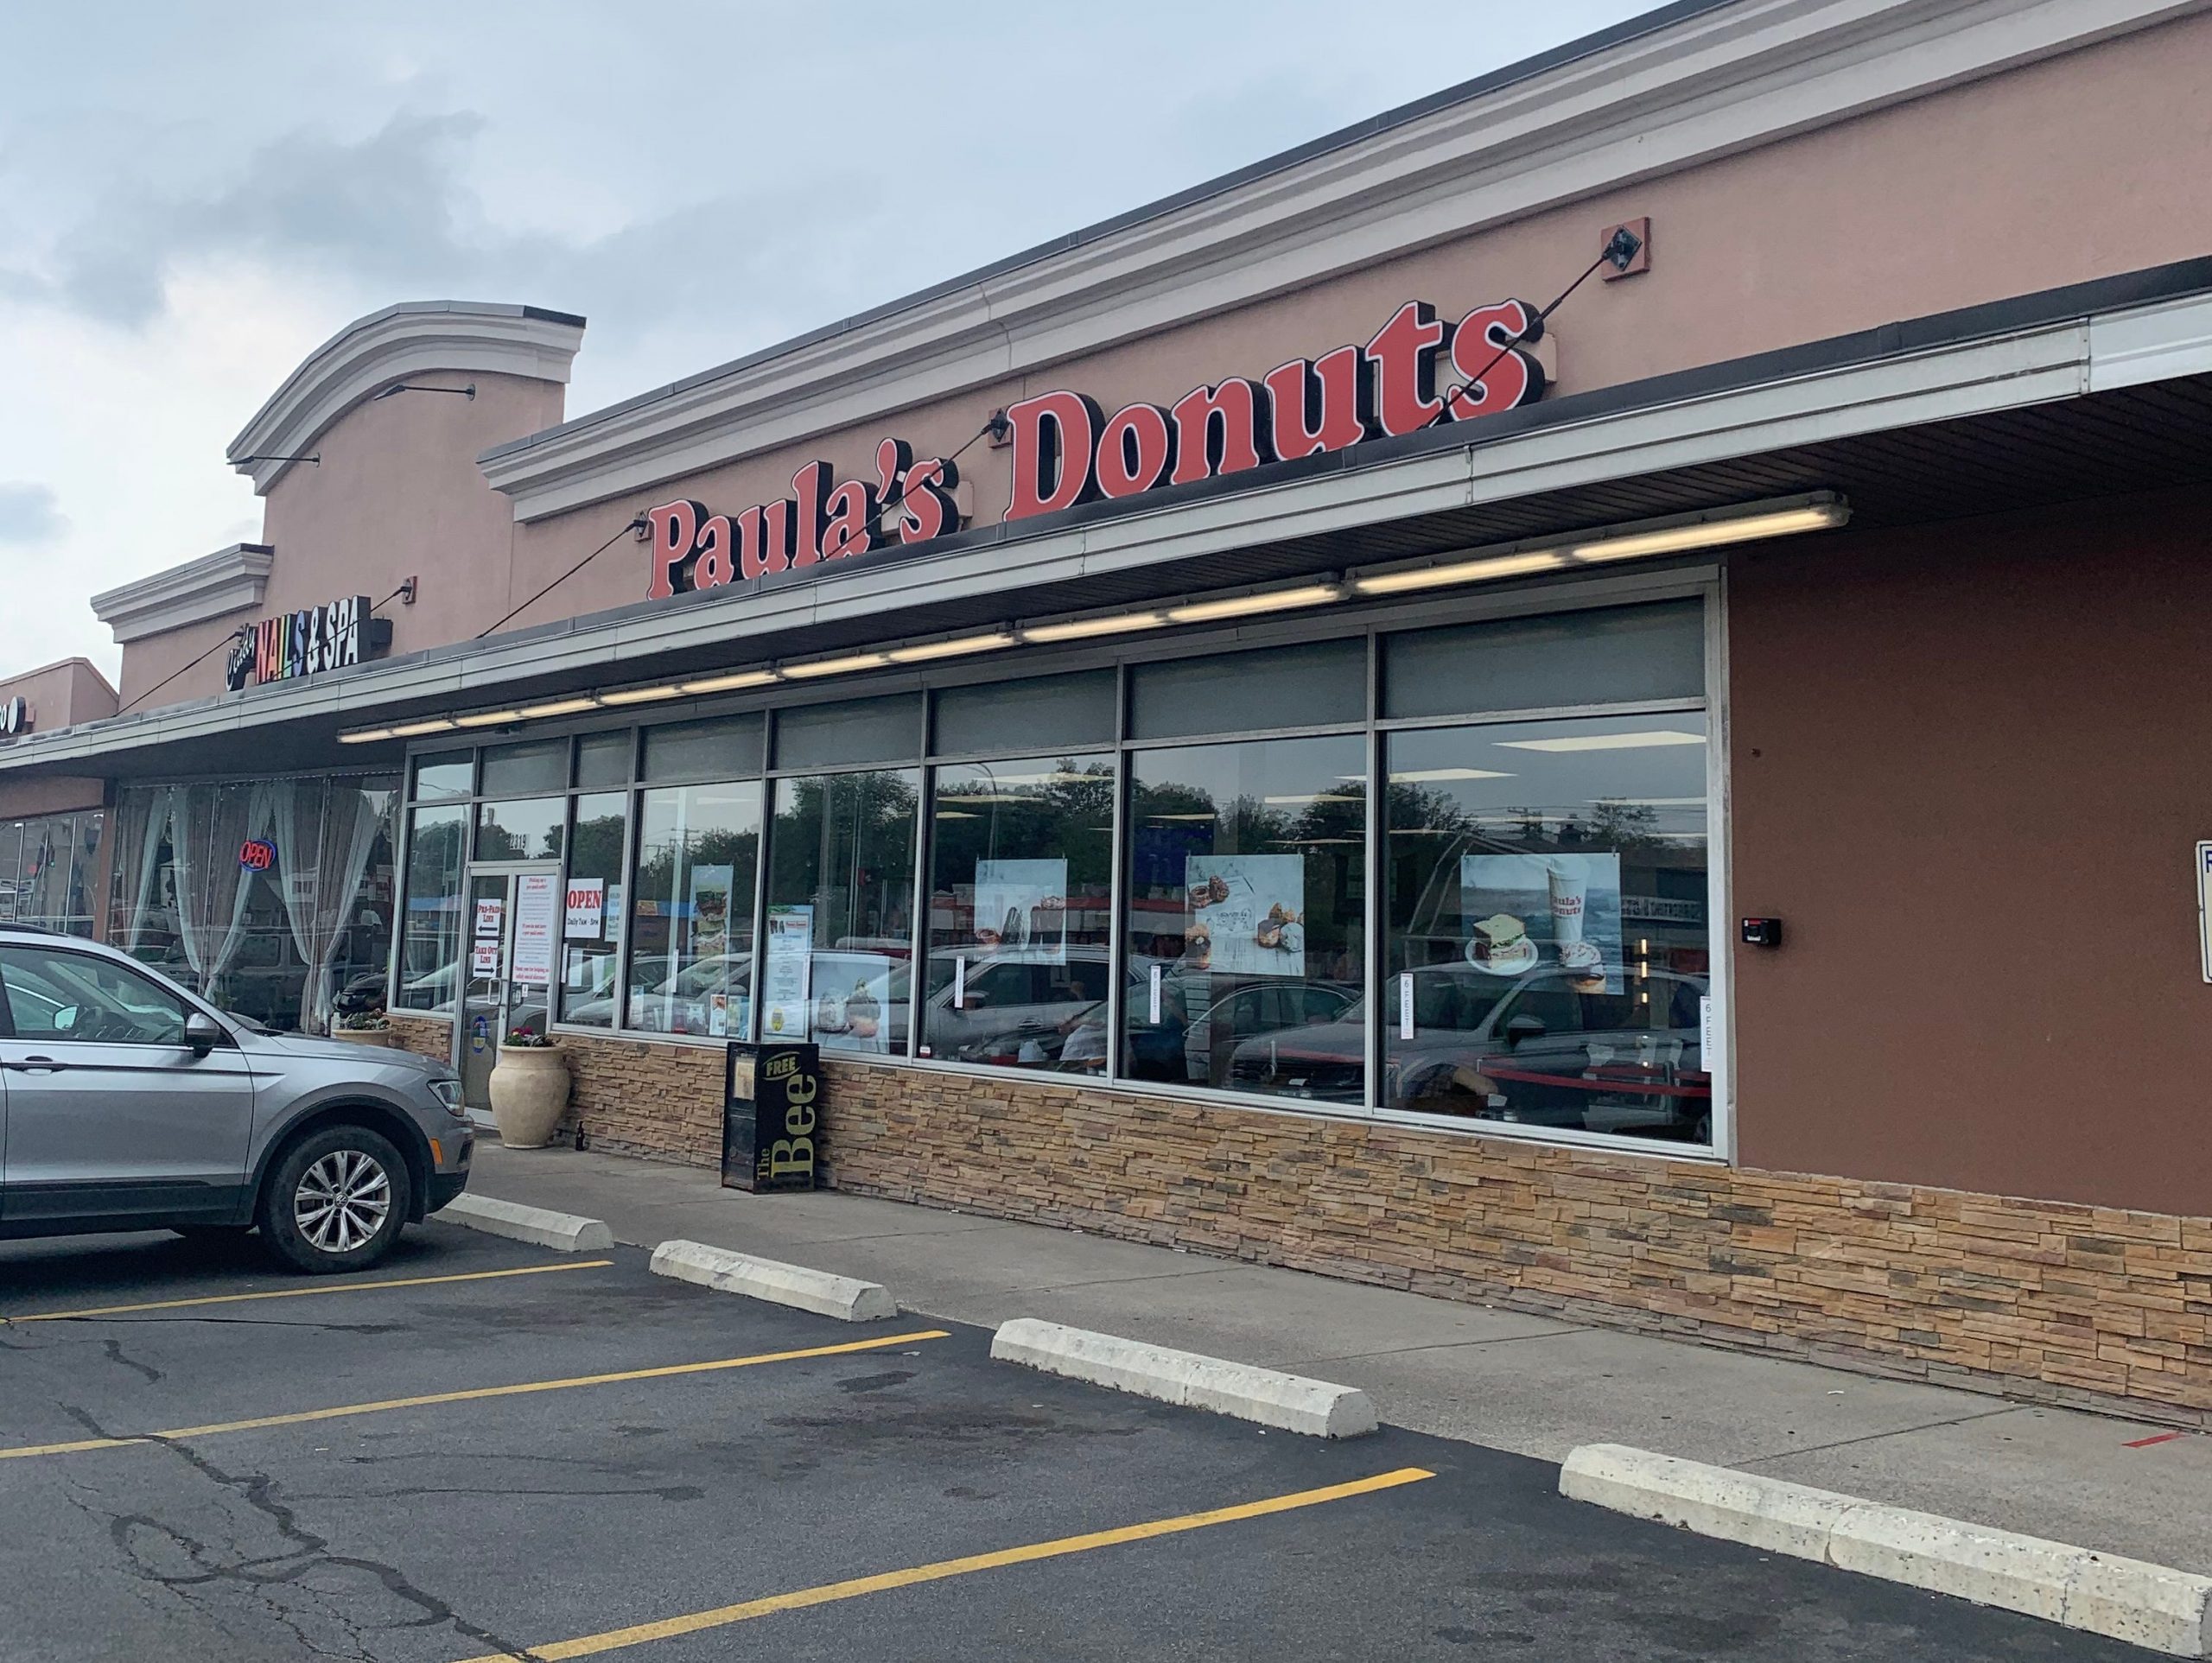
(1419, 369)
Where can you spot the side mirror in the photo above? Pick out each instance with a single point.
(202, 1033)
(1523, 1027)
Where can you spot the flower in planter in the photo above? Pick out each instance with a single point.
(363, 1021)
(526, 1039)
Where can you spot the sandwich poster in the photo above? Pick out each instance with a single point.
(1023, 904)
(1247, 914)
(1520, 912)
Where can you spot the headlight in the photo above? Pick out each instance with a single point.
(448, 1091)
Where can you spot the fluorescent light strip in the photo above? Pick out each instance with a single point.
(1083, 629)
(1427, 775)
(1207, 612)
(1605, 741)
(638, 695)
(365, 736)
(487, 718)
(1713, 534)
(435, 725)
(559, 708)
(836, 666)
(1465, 571)
(729, 684)
(967, 644)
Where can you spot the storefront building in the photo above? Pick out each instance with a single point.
(1576, 698)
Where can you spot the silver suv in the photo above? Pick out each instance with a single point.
(126, 1103)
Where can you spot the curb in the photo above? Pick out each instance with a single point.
(2148, 1605)
(1288, 1402)
(562, 1232)
(725, 1271)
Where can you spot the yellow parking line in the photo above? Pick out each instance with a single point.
(301, 1293)
(474, 1396)
(828, 1593)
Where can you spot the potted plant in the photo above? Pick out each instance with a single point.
(365, 1028)
(530, 1089)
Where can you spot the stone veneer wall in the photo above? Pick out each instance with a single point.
(2097, 1307)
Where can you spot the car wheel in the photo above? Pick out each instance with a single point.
(335, 1200)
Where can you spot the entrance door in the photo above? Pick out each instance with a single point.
(514, 922)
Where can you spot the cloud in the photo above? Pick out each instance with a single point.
(28, 514)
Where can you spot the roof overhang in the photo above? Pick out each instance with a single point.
(229, 581)
(2078, 393)
(416, 338)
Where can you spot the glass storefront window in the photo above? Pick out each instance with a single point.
(1021, 864)
(430, 937)
(525, 769)
(837, 955)
(527, 830)
(1245, 893)
(49, 870)
(593, 917)
(1548, 949)
(692, 925)
(450, 774)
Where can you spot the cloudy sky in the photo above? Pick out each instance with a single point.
(194, 196)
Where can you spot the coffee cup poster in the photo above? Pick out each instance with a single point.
(1522, 912)
(1247, 914)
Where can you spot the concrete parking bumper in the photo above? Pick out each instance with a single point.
(1268, 1396)
(843, 1297)
(562, 1232)
(2149, 1605)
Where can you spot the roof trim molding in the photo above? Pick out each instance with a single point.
(230, 579)
(1689, 86)
(414, 338)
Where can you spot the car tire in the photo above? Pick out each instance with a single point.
(335, 1200)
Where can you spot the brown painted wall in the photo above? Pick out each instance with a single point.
(1970, 765)
(1907, 211)
(398, 493)
(61, 694)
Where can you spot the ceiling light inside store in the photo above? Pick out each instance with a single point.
(1464, 571)
(435, 725)
(836, 666)
(1182, 816)
(1310, 797)
(638, 695)
(967, 644)
(1606, 741)
(365, 736)
(559, 708)
(1712, 533)
(1207, 612)
(1083, 629)
(730, 683)
(1430, 776)
(487, 718)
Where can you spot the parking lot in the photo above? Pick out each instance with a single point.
(483, 1448)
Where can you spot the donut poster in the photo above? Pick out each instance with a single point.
(1247, 914)
(1022, 904)
(1558, 912)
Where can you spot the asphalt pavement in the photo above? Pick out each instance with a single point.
(481, 1448)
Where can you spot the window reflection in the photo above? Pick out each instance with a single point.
(1548, 932)
(691, 936)
(530, 830)
(1246, 885)
(1020, 897)
(594, 910)
(838, 942)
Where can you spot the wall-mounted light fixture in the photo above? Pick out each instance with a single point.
(399, 387)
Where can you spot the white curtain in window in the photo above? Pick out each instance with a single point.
(343, 833)
(211, 890)
(152, 827)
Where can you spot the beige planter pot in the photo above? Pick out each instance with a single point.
(529, 1089)
(387, 1038)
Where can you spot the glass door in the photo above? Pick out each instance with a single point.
(513, 918)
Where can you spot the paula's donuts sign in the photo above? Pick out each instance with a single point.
(1417, 371)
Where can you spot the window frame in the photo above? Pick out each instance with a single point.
(1366, 623)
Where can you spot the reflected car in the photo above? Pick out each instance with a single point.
(1534, 1050)
(1255, 1011)
(682, 1003)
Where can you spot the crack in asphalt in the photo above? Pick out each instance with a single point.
(263, 1575)
(152, 1375)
